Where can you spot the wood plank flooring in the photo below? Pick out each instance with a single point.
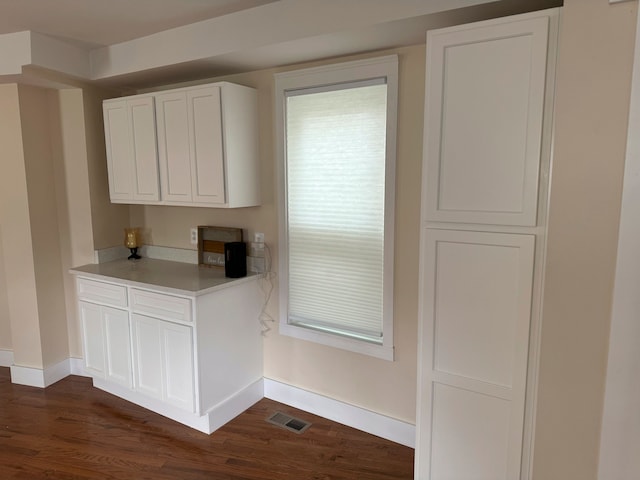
(72, 431)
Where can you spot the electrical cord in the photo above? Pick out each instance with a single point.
(266, 285)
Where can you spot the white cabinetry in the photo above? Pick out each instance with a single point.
(194, 358)
(207, 147)
(489, 102)
(132, 159)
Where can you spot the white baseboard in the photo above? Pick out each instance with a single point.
(6, 358)
(57, 372)
(235, 405)
(206, 423)
(77, 367)
(356, 417)
(32, 377)
(40, 377)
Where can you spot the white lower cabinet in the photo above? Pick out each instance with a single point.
(194, 358)
(163, 361)
(107, 342)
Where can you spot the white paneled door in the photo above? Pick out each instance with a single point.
(483, 125)
(476, 310)
(486, 163)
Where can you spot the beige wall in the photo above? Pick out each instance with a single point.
(71, 175)
(16, 235)
(5, 320)
(53, 152)
(37, 134)
(593, 88)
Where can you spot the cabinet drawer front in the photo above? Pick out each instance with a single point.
(162, 306)
(106, 293)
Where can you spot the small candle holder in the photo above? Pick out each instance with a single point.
(132, 242)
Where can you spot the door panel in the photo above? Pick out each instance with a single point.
(93, 339)
(475, 316)
(205, 128)
(148, 356)
(178, 365)
(173, 147)
(484, 423)
(483, 124)
(118, 144)
(118, 346)
(145, 153)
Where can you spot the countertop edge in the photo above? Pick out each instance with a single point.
(164, 289)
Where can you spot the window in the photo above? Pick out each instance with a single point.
(336, 146)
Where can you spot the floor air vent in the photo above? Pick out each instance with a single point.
(290, 423)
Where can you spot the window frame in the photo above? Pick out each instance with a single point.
(317, 78)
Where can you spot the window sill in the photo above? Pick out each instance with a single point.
(358, 346)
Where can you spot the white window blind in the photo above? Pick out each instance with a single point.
(335, 207)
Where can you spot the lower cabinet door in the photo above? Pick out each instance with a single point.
(473, 350)
(107, 343)
(147, 350)
(178, 365)
(92, 339)
(163, 361)
(117, 341)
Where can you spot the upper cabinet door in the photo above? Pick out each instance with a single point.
(142, 117)
(173, 147)
(119, 154)
(485, 98)
(132, 159)
(205, 141)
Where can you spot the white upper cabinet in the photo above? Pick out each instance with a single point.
(483, 124)
(132, 159)
(486, 163)
(207, 147)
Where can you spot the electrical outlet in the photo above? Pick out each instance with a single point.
(194, 236)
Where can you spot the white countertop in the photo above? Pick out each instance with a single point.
(171, 277)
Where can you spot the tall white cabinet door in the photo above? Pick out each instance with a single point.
(178, 367)
(475, 312)
(173, 146)
(117, 339)
(205, 138)
(485, 93)
(93, 339)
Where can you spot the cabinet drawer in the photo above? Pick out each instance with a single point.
(100, 292)
(159, 305)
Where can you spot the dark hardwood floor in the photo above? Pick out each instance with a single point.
(72, 431)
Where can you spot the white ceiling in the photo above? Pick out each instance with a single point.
(96, 23)
(138, 44)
